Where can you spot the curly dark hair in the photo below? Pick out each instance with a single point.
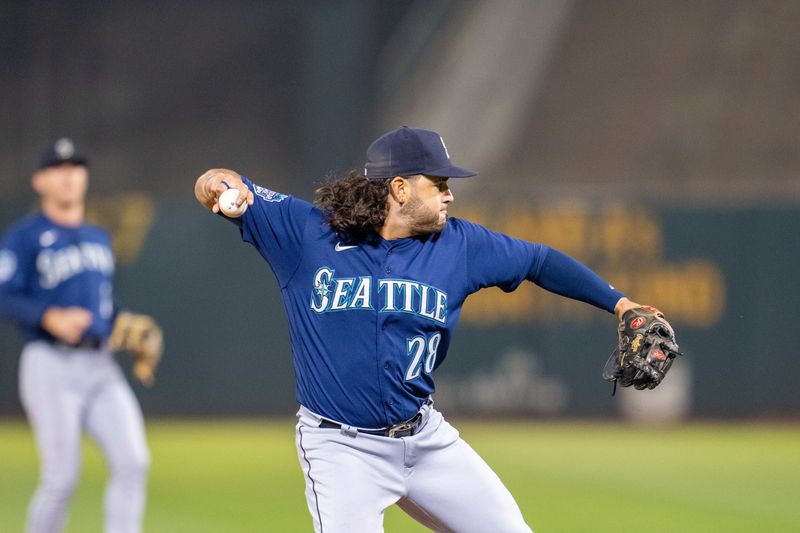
(353, 205)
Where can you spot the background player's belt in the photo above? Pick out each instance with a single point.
(401, 429)
(91, 343)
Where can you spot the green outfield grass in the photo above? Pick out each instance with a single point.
(243, 476)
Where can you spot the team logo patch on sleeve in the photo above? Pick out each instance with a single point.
(268, 195)
(8, 265)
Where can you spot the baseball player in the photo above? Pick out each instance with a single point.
(373, 279)
(56, 284)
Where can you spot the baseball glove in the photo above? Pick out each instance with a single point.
(142, 338)
(645, 350)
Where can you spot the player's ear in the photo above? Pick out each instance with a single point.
(36, 181)
(399, 189)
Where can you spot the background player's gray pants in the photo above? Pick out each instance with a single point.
(65, 391)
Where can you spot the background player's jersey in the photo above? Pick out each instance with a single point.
(370, 322)
(44, 264)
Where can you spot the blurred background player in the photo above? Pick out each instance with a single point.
(373, 280)
(56, 284)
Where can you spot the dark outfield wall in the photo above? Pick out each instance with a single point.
(726, 277)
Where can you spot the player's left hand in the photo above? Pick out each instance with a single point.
(645, 349)
(143, 339)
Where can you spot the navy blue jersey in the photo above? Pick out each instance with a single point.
(370, 322)
(44, 264)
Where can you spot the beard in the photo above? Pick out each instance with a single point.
(420, 219)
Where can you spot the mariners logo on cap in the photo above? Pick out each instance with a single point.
(445, 147)
(64, 148)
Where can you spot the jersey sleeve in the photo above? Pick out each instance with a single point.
(494, 259)
(497, 260)
(15, 268)
(568, 277)
(275, 225)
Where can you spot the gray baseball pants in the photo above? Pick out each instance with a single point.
(66, 391)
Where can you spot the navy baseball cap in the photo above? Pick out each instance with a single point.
(60, 152)
(410, 151)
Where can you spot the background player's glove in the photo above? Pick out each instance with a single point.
(143, 339)
(645, 350)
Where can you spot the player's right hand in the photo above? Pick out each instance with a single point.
(216, 181)
(67, 324)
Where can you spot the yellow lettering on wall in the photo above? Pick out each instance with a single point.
(624, 246)
(128, 217)
(691, 292)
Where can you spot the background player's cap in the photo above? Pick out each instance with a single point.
(60, 152)
(410, 151)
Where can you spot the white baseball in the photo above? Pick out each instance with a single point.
(227, 204)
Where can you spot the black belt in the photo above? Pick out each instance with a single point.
(92, 343)
(399, 430)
